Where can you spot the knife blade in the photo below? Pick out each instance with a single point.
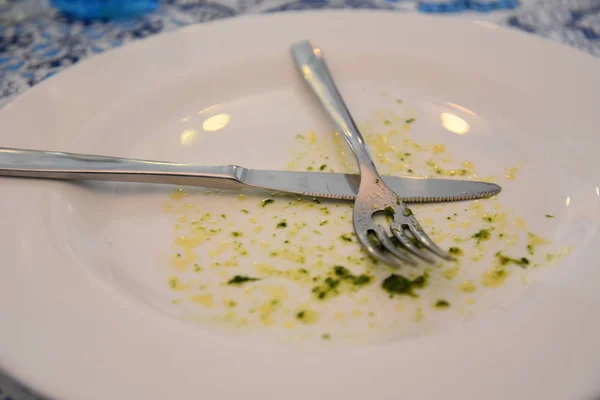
(345, 186)
(70, 166)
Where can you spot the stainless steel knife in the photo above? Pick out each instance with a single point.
(70, 166)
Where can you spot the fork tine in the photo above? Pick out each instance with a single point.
(425, 240)
(376, 252)
(390, 246)
(405, 241)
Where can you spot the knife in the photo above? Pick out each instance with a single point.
(70, 166)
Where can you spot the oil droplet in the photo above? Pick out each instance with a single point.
(419, 315)
(467, 286)
(468, 165)
(183, 259)
(288, 325)
(450, 273)
(511, 173)
(439, 148)
(495, 277)
(534, 239)
(478, 256)
(307, 316)
(267, 309)
(177, 285)
(205, 300)
(178, 194)
(520, 223)
(276, 291)
(193, 241)
(229, 303)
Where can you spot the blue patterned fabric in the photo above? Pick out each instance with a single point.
(36, 48)
(575, 23)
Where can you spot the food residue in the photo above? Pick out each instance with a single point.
(239, 279)
(273, 260)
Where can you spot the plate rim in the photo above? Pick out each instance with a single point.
(26, 376)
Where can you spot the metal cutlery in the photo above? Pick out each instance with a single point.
(374, 195)
(69, 166)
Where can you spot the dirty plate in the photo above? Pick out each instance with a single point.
(130, 291)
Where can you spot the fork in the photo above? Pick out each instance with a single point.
(374, 196)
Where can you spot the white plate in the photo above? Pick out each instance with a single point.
(85, 305)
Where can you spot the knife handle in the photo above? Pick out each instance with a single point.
(68, 166)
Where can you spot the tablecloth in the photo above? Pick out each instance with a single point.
(34, 49)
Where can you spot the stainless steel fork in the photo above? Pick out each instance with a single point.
(374, 196)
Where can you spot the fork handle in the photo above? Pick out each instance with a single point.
(311, 64)
(58, 165)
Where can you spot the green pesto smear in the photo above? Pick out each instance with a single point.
(505, 260)
(372, 237)
(337, 281)
(282, 224)
(400, 285)
(442, 304)
(241, 279)
(266, 202)
(389, 211)
(482, 235)
(346, 237)
(455, 251)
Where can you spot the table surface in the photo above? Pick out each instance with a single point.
(36, 48)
